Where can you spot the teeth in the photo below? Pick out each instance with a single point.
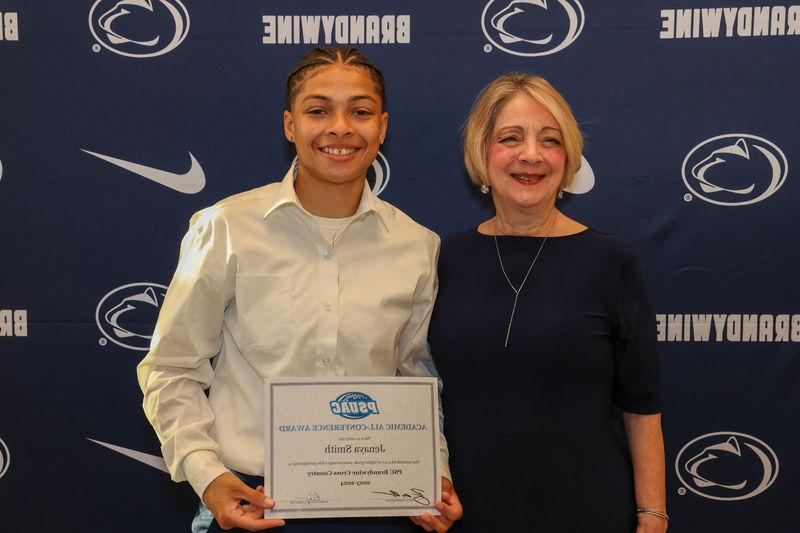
(338, 151)
(525, 178)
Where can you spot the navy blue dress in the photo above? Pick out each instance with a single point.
(531, 427)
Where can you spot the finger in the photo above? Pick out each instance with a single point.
(416, 520)
(255, 524)
(452, 512)
(421, 522)
(431, 523)
(440, 525)
(255, 497)
(269, 503)
(449, 515)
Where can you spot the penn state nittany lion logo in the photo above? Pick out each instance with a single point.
(532, 27)
(734, 169)
(5, 458)
(727, 466)
(139, 28)
(583, 181)
(127, 315)
(377, 174)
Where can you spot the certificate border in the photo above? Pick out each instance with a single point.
(431, 382)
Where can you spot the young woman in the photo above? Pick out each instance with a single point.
(311, 276)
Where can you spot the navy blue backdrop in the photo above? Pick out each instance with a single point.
(120, 118)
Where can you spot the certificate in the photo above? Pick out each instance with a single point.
(339, 447)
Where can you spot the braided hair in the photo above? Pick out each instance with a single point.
(319, 57)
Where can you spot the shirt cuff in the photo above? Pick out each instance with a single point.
(201, 468)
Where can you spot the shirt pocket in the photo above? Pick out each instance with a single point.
(264, 310)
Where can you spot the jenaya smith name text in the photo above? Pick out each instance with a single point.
(347, 448)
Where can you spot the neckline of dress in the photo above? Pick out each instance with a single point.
(488, 236)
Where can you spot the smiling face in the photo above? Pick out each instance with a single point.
(525, 157)
(337, 123)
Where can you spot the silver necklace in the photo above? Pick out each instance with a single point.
(521, 285)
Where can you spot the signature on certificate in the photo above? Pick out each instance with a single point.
(416, 495)
(311, 497)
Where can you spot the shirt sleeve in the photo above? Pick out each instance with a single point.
(177, 370)
(637, 386)
(414, 354)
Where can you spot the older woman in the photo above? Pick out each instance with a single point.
(543, 332)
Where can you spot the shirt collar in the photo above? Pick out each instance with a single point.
(287, 196)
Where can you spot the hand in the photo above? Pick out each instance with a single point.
(648, 523)
(449, 506)
(224, 498)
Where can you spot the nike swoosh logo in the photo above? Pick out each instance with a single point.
(190, 182)
(155, 461)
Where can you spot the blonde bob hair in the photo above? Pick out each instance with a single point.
(482, 117)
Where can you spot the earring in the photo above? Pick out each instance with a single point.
(560, 193)
(484, 189)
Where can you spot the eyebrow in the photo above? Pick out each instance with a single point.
(329, 99)
(516, 127)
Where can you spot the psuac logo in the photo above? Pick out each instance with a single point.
(126, 315)
(354, 405)
(532, 27)
(139, 28)
(734, 169)
(726, 465)
(5, 458)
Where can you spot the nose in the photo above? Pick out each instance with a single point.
(340, 125)
(530, 152)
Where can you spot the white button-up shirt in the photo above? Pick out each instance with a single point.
(258, 292)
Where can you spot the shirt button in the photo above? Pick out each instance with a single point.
(328, 307)
(326, 360)
(327, 254)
